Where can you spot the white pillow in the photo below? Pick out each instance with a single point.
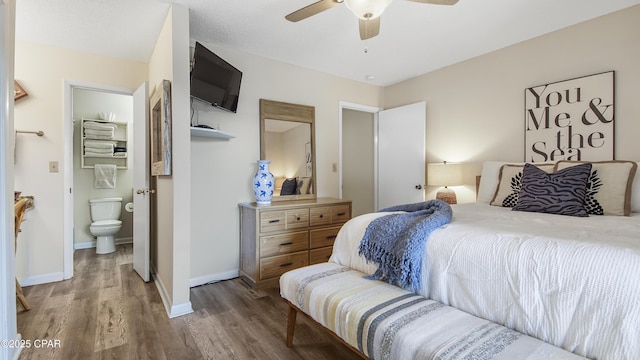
(490, 178)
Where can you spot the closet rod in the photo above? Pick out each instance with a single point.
(39, 133)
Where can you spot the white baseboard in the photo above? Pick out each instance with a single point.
(213, 278)
(17, 350)
(172, 310)
(92, 244)
(42, 279)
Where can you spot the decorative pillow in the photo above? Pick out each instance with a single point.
(303, 185)
(560, 193)
(288, 187)
(510, 183)
(635, 194)
(609, 187)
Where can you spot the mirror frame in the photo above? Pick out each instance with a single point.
(277, 110)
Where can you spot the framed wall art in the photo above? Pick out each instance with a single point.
(571, 119)
(18, 91)
(160, 129)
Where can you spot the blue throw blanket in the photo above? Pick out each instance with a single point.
(395, 242)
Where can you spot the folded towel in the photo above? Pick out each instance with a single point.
(97, 154)
(105, 176)
(100, 144)
(98, 132)
(99, 137)
(99, 126)
(98, 150)
(120, 154)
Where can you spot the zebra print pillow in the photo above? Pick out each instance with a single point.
(510, 182)
(560, 193)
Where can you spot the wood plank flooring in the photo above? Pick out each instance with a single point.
(107, 312)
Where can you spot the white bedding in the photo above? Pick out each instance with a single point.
(573, 282)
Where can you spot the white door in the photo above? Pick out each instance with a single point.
(141, 182)
(401, 155)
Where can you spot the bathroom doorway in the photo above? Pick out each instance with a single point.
(86, 101)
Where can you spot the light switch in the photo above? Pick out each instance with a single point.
(53, 166)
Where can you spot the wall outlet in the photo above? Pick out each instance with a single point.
(334, 167)
(53, 166)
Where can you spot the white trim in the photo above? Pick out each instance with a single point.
(68, 86)
(213, 278)
(172, 310)
(92, 244)
(364, 108)
(17, 352)
(42, 279)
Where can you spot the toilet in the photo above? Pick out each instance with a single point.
(105, 215)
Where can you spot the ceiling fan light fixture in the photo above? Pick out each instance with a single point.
(367, 9)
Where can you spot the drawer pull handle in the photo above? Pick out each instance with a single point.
(321, 216)
(286, 264)
(342, 214)
(297, 218)
(287, 243)
(331, 237)
(274, 221)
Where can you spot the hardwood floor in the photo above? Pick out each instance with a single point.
(107, 312)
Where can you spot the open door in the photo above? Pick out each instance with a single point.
(401, 155)
(141, 182)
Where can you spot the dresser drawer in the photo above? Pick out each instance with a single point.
(323, 237)
(273, 220)
(278, 265)
(297, 218)
(283, 243)
(340, 214)
(320, 255)
(320, 215)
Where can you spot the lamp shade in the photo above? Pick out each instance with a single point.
(367, 9)
(444, 174)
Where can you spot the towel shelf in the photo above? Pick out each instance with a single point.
(118, 139)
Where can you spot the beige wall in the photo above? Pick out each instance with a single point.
(358, 160)
(42, 71)
(222, 169)
(170, 61)
(475, 109)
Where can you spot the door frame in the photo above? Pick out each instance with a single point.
(364, 108)
(68, 226)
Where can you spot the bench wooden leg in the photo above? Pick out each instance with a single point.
(21, 298)
(291, 324)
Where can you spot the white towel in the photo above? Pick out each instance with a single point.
(98, 126)
(105, 176)
(100, 144)
(88, 132)
(97, 150)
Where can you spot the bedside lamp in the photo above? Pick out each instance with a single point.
(445, 174)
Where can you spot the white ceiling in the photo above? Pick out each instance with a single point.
(414, 38)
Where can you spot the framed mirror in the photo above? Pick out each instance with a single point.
(287, 138)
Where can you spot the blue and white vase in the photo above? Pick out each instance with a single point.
(263, 183)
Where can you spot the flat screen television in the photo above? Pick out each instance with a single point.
(214, 80)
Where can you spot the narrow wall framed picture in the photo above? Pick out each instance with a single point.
(571, 119)
(160, 129)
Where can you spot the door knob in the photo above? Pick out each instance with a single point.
(418, 187)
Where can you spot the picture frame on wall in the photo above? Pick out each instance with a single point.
(571, 119)
(18, 91)
(160, 129)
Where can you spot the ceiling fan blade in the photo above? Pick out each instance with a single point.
(436, 2)
(310, 10)
(369, 28)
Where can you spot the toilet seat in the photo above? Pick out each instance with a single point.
(106, 223)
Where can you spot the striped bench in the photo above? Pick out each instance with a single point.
(382, 321)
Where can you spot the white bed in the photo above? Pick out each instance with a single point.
(573, 282)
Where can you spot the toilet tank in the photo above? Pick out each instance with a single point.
(105, 209)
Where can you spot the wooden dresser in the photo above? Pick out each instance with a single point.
(287, 235)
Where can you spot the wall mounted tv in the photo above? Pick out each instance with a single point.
(214, 80)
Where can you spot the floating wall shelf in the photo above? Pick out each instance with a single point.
(211, 133)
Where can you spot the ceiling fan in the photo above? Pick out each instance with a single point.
(367, 11)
